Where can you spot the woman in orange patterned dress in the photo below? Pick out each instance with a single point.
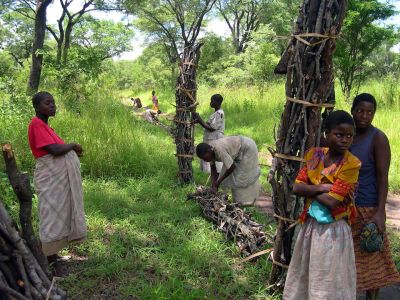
(323, 264)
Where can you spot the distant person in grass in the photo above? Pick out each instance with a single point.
(323, 265)
(374, 269)
(154, 99)
(136, 102)
(57, 180)
(213, 129)
(240, 171)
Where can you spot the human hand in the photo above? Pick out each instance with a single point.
(379, 218)
(78, 149)
(195, 117)
(325, 187)
(214, 188)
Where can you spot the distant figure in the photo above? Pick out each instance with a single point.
(213, 129)
(154, 99)
(57, 180)
(240, 171)
(136, 102)
(150, 116)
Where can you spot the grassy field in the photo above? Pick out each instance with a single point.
(146, 241)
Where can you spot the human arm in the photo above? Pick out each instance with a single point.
(342, 189)
(310, 190)
(204, 124)
(382, 158)
(221, 154)
(327, 200)
(214, 177)
(225, 175)
(303, 186)
(61, 149)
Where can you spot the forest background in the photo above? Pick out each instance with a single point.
(145, 239)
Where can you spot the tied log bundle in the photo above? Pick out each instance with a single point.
(231, 220)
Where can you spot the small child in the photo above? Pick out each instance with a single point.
(323, 264)
(154, 99)
(213, 129)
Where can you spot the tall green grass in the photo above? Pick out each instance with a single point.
(145, 239)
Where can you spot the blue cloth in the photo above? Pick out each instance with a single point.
(320, 213)
(367, 193)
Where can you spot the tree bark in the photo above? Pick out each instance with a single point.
(38, 42)
(22, 188)
(309, 72)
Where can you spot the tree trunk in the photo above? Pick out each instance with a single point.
(309, 89)
(186, 104)
(22, 188)
(38, 42)
(60, 43)
(67, 43)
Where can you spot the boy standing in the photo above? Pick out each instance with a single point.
(154, 99)
(213, 129)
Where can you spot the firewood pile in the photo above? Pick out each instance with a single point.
(231, 220)
(307, 63)
(21, 276)
(23, 267)
(186, 89)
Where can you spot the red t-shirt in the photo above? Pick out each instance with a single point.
(41, 135)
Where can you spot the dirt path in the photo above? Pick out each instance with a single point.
(392, 292)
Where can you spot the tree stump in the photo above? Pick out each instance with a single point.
(309, 88)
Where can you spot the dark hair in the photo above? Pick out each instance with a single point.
(218, 98)
(153, 92)
(338, 117)
(39, 97)
(202, 149)
(364, 97)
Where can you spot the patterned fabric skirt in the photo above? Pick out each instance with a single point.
(58, 184)
(374, 269)
(322, 266)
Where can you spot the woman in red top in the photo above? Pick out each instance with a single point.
(57, 180)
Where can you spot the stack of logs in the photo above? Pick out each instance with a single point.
(307, 63)
(23, 267)
(185, 105)
(231, 220)
(21, 276)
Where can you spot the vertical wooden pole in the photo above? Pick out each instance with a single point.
(186, 89)
(309, 89)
